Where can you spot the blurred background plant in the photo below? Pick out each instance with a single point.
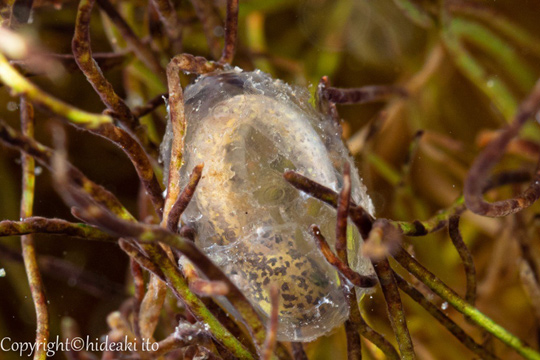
(465, 64)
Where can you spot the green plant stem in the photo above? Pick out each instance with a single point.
(441, 289)
(27, 242)
(395, 308)
(498, 49)
(415, 13)
(98, 193)
(491, 86)
(19, 85)
(436, 222)
(443, 319)
(181, 289)
(500, 23)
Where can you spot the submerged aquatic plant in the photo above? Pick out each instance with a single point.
(258, 233)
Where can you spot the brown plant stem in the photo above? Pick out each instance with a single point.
(139, 290)
(271, 337)
(357, 214)
(362, 281)
(323, 104)
(231, 32)
(364, 94)
(354, 345)
(27, 242)
(36, 224)
(82, 51)
(184, 198)
(200, 286)
(178, 124)
(140, 162)
(488, 158)
(466, 258)
(298, 351)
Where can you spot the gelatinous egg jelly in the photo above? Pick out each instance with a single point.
(248, 129)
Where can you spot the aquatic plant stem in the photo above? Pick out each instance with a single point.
(480, 319)
(395, 308)
(19, 85)
(36, 224)
(27, 242)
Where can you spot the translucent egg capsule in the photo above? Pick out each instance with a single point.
(248, 129)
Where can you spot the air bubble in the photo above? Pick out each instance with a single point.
(12, 106)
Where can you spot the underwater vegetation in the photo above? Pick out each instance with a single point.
(274, 180)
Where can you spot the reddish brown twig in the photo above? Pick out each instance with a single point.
(351, 275)
(466, 258)
(231, 32)
(298, 351)
(364, 94)
(343, 215)
(488, 158)
(362, 219)
(354, 345)
(271, 337)
(183, 200)
(140, 162)
(323, 104)
(83, 56)
(81, 47)
(200, 286)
